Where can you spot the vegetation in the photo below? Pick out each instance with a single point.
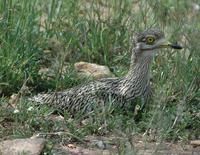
(55, 34)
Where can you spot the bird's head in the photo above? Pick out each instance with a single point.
(150, 40)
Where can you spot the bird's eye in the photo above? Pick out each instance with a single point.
(150, 40)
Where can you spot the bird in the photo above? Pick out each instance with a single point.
(135, 84)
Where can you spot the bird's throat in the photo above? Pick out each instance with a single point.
(140, 66)
(137, 79)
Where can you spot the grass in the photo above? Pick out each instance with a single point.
(37, 34)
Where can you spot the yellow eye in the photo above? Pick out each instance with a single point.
(150, 40)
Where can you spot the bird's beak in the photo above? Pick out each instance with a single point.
(167, 44)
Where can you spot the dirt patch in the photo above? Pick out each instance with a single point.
(136, 145)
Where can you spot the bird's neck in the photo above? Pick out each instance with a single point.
(139, 66)
(137, 79)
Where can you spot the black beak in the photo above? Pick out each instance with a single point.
(176, 46)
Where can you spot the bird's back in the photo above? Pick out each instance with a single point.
(81, 97)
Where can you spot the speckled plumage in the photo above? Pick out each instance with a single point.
(134, 84)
